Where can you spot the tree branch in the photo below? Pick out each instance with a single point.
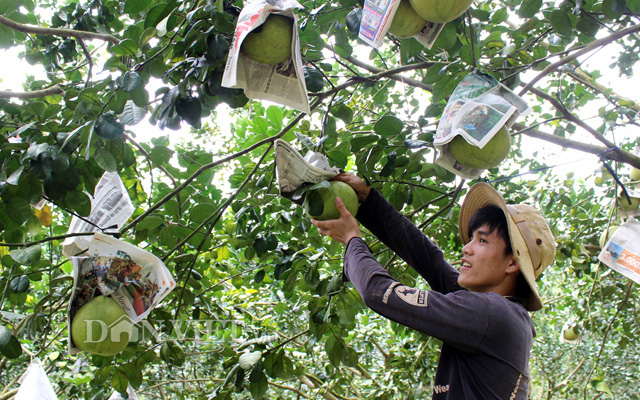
(393, 74)
(57, 31)
(53, 90)
(590, 47)
(615, 153)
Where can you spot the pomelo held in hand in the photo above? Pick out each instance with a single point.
(440, 11)
(101, 327)
(489, 156)
(406, 22)
(320, 204)
(270, 43)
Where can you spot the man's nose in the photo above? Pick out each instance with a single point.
(466, 249)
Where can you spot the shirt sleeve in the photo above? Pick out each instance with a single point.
(408, 242)
(459, 318)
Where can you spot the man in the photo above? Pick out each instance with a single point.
(480, 312)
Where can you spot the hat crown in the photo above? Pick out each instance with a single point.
(541, 243)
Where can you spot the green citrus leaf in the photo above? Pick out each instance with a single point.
(388, 168)
(388, 126)
(19, 284)
(108, 128)
(28, 255)
(12, 348)
(131, 81)
(258, 383)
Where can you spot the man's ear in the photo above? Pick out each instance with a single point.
(513, 265)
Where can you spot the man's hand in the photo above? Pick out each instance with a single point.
(343, 229)
(357, 184)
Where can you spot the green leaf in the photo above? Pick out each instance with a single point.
(274, 114)
(634, 6)
(336, 350)
(343, 112)
(135, 6)
(258, 383)
(360, 142)
(201, 212)
(529, 8)
(119, 381)
(390, 166)
(561, 23)
(353, 20)
(133, 372)
(5, 336)
(313, 79)
(171, 353)
(388, 126)
(299, 193)
(132, 114)
(105, 160)
(19, 209)
(218, 47)
(313, 203)
(19, 284)
(190, 110)
(126, 47)
(130, 81)
(27, 256)
(12, 348)
(108, 128)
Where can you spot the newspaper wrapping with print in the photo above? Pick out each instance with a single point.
(377, 16)
(622, 251)
(295, 171)
(111, 207)
(477, 109)
(135, 278)
(282, 83)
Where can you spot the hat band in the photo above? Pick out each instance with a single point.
(527, 235)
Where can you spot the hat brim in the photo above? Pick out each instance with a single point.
(480, 195)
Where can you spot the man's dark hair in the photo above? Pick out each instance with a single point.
(494, 218)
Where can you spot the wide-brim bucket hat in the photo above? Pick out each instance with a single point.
(532, 242)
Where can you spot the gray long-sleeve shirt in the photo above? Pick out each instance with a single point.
(486, 337)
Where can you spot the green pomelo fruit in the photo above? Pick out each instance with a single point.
(489, 156)
(101, 327)
(624, 202)
(327, 198)
(634, 174)
(606, 235)
(270, 43)
(406, 22)
(440, 11)
(571, 333)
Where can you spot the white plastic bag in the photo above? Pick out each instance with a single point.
(34, 384)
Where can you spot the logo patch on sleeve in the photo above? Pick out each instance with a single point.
(413, 296)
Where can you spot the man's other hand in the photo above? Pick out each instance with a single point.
(343, 229)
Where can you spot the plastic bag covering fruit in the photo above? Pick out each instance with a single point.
(489, 156)
(406, 22)
(270, 43)
(440, 11)
(101, 327)
(328, 197)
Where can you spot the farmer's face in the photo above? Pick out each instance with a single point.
(485, 267)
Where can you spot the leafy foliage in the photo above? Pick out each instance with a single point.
(260, 309)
